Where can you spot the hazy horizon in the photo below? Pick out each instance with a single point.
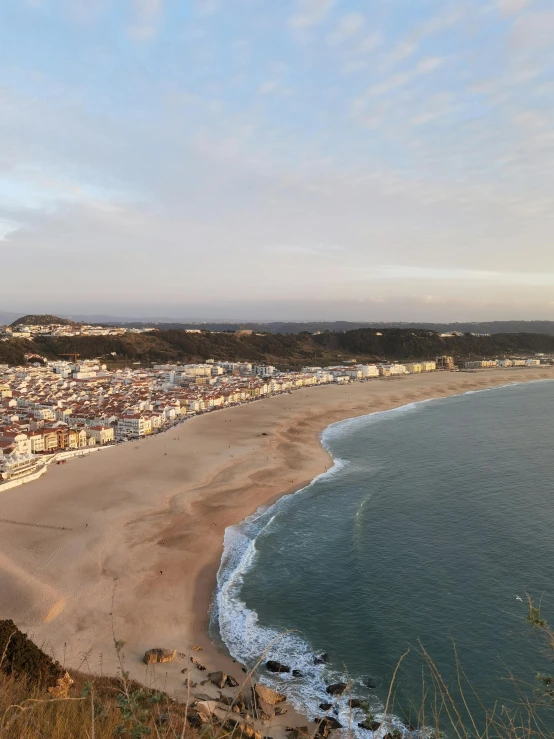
(244, 313)
(300, 160)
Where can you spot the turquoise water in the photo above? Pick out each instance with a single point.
(433, 519)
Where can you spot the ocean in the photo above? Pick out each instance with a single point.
(434, 520)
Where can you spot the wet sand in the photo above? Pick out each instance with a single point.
(145, 522)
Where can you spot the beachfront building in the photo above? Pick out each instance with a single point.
(445, 362)
(14, 464)
(481, 364)
(133, 425)
(102, 434)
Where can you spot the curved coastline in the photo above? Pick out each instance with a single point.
(234, 626)
(149, 518)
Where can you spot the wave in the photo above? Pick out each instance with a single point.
(250, 642)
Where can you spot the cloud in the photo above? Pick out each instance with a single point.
(349, 25)
(512, 7)
(533, 30)
(310, 13)
(146, 15)
(426, 66)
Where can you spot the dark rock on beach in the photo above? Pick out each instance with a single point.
(370, 684)
(336, 689)
(154, 656)
(325, 706)
(231, 682)
(274, 666)
(321, 659)
(369, 725)
(296, 673)
(219, 679)
(355, 703)
(298, 732)
(329, 723)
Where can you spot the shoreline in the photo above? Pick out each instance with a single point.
(145, 524)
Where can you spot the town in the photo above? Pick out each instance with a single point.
(57, 409)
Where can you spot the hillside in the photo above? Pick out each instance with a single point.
(284, 350)
(42, 320)
(291, 327)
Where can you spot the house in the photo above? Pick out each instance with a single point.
(14, 464)
(102, 434)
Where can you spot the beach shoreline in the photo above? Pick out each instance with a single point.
(145, 524)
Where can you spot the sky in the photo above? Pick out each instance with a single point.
(278, 159)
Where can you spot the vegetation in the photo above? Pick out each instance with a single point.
(284, 350)
(20, 657)
(85, 706)
(290, 327)
(42, 320)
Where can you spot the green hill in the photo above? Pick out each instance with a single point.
(42, 320)
(282, 350)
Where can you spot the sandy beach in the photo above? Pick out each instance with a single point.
(142, 524)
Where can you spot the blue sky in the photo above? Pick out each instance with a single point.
(364, 159)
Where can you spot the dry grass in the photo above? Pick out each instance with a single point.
(106, 707)
(95, 709)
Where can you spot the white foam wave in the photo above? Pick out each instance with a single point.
(238, 626)
(248, 641)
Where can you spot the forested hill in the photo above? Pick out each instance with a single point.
(293, 350)
(42, 320)
(291, 327)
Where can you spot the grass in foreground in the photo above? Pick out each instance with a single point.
(39, 699)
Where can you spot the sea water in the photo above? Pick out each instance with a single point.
(434, 521)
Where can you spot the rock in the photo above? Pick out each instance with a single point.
(274, 666)
(194, 719)
(189, 684)
(330, 723)
(336, 689)
(370, 684)
(298, 732)
(262, 692)
(265, 710)
(234, 723)
(219, 679)
(231, 682)
(221, 714)
(196, 648)
(154, 656)
(280, 710)
(204, 682)
(226, 700)
(369, 725)
(321, 659)
(325, 706)
(355, 703)
(203, 697)
(206, 708)
(296, 673)
(197, 664)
